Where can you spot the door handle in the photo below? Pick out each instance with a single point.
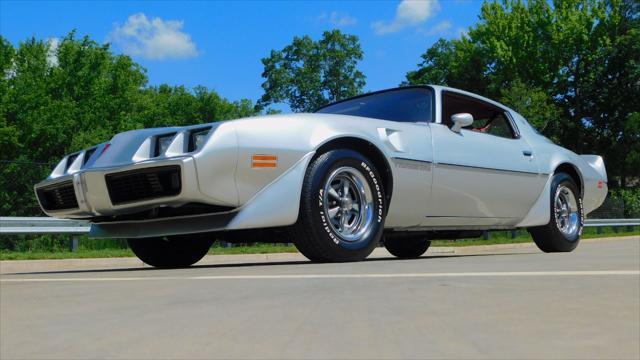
(527, 152)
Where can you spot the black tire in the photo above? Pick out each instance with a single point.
(550, 238)
(313, 234)
(407, 247)
(171, 251)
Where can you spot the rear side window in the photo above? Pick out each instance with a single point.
(499, 126)
(403, 105)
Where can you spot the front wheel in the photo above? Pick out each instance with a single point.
(342, 208)
(562, 233)
(171, 251)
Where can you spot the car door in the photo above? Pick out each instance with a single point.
(486, 174)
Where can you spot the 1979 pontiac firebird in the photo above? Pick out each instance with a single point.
(401, 166)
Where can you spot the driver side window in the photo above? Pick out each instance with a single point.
(487, 118)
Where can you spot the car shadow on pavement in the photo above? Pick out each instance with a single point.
(260, 264)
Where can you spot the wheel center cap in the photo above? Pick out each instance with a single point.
(346, 204)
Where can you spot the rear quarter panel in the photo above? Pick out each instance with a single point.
(550, 156)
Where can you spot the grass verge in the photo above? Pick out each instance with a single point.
(66, 254)
(497, 237)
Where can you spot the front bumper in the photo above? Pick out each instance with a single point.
(86, 193)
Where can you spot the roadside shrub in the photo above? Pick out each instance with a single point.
(631, 200)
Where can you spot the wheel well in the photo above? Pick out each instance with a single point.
(370, 151)
(573, 172)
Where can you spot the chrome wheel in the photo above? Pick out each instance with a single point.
(566, 211)
(348, 203)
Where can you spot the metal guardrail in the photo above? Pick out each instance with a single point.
(48, 225)
(42, 225)
(611, 222)
(10, 225)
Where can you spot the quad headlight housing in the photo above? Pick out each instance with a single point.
(197, 138)
(162, 143)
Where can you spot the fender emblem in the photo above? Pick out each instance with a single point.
(264, 161)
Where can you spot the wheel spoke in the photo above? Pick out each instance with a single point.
(558, 204)
(333, 212)
(343, 221)
(345, 188)
(335, 221)
(333, 193)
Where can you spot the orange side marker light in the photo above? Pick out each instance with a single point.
(264, 161)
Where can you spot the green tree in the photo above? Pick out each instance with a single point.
(308, 74)
(9, 142)
(572, 67)
(534, 104)
(165, 105)
(453, 63)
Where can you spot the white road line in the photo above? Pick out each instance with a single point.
(337, 276)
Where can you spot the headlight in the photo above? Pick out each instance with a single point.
(197, 138)
(162, 143)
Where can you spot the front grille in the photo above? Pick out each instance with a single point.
(58, 197)
(143, 184)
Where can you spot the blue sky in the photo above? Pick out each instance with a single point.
(219, 44)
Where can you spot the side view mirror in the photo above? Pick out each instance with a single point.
(461, 120)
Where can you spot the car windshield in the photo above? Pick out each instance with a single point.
(405, 105)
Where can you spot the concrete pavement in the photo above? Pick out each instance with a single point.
(500, 303)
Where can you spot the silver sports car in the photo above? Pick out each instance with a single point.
(401, 166)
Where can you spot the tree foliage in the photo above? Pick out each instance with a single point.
(56, 100)
(572, 67)
(308, 74)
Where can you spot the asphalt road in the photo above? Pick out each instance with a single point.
(509, 303)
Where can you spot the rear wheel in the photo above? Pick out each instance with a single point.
(171, 251)
(562, 233)
(407, 247)
(342, 208)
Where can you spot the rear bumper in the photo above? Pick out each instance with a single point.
(116, 190)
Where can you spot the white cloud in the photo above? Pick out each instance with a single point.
(153, 38)
(338, 19)
(52, 51)
(408, 13)
(443, 28)
(440, 28)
